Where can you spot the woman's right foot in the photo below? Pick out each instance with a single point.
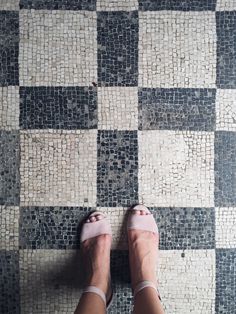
(143, 252)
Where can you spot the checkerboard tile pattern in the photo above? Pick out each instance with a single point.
(104, 104)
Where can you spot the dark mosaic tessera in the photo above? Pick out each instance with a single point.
(105, 104)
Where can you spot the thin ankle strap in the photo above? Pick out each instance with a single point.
(97, 291)
(145, 284)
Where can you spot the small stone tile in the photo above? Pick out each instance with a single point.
(225, 227)
(177, 5)
(187, 284)
(58, 48)
(9, 108)
(114, 5)
(9, 168)
(118, 108)
(225, 281)
(9, 48)
(225, 169)
(11, 5)
(226, 5)
(51, 227)
(9, 230)
(185, 228)
(58, 107)
(58, 168)
(49, 281)
(9, 282)
(118, 52)
(117, 168)
(177, 49)
(226, 49)
(89, 5)
(177, 109)
(226, 109)
(176, 168)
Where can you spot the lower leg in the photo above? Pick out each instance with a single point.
(90, 303)
(147, 301)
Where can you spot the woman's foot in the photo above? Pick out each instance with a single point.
(96, 254)
(143, 251)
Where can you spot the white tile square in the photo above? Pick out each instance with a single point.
(226, 5)
(225, 227)
(118, 108)
(176, 168)
(58, 168)
(226, 109)
(58, 48)
(118, 220)
(187, 284)
(9, 108)
(177, 49)
(12, 5)
(48, 281)
(9, 227)
(117, 5)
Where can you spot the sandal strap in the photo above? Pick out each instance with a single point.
(97, 291)
(145, 284)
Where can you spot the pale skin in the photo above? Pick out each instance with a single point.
(142, 256)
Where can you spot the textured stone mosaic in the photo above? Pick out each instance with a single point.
(88, 5)
(225, 227)
(225, 168)
(117, 168)
(226, 110)
(9, 168)
(118, 52)
(58, 48)
(118, 108)
(225, 281)
(178, 51)
(9, 108)
(177, 109)
(9, 48)
(178, 5)
(9, 282)
(105, 104)
(9, 232)
(226, 50)
(58, 107)
(185, 228)
(168, 162)
(58, 168)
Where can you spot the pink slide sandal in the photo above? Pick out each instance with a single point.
(147, 223)
(91, 230)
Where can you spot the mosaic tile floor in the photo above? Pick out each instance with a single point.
(104, 104)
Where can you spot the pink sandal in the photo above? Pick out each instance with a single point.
(147, 223)
(91, 230)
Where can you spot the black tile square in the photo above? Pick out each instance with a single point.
(225, 168)
(117, 48)
(185, 228)
(9, 48)
(226, 49)
(225, 281)
(9, 282)
(177, 109)
(177, 5)
(9, 168)
(89, 5)
(51, 227)
(117, 168)
(58, 107)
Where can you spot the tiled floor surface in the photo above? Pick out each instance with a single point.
(104, 104)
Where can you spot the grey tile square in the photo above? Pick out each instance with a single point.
(9, 167)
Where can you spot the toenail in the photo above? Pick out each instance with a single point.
(99, 217)
(92, 219)
(137, 212)
(87, 220)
